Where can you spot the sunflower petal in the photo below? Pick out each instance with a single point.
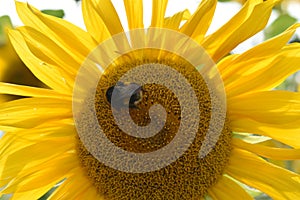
(45, 72)
(102, 11)
(174, 21)
(93, 21)
(134, 12)
(158, 12)
(14, 141)
(275, 69)
(30, 112)
(268, 152)
(34, 183)
(53, 58)
(277, 182)
(73, 38)
(269, 48)
(46, 49)
(199, 22)
(254, 14)
(285, 133)
(271, 107)
(70, 189)
(27, 159)
(21, 90)
(228, 189)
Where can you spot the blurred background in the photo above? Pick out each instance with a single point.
(12, 69)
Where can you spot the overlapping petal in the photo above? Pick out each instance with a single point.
(268, 152)
(159, 8)
(27, 91)
(275, 69)
(260, 52)
(134, 12)
(199, 22)
(254, 14)
(278, 183)
(30, 112)
(70, 189)
(45, 72)
(174, 21)
(33, 184)
(95, 25)
(74, 38)
(271, 107)
(25, 159)
(102, 12)
(228, 189)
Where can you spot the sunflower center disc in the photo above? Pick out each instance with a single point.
(186, 177)
(150, 114)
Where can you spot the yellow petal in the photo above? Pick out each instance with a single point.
(199, 22)
(73, 38)
(268, 152)
(254, 14)
(46, 49)
(271, 107)
(51, 130)
(228, 189)
(34, 193)
(275, 69)
(102, 10)
(93, 21)
(285, 133)
(277, 182)
(241, 63)
(9, 128)
(225, 64)
(45, 72)
(45, 127)
(31, 158)
(74, 186)
(134, 12)
(158, 12)
(174, 21)
(30, 112)
(21, 90)
(47, 174)
(61, 62)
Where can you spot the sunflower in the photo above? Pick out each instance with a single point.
(215, 112)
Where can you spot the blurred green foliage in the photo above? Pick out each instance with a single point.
(4, 22)
(279, 25)
(5, 197)
(57, 13)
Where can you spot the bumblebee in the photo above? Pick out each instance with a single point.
(126, 95)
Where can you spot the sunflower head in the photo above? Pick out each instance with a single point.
(156, 146)
(150, 113)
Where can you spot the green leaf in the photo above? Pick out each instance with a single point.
(279, 25)
(56, 13)
(5, 22)
(5, 197)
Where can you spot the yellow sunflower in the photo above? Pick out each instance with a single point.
(52, 138)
